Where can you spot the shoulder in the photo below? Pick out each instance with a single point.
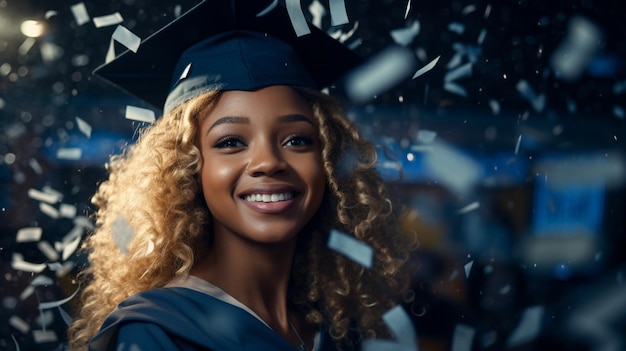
(166, 316)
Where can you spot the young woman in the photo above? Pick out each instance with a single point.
(231, 197)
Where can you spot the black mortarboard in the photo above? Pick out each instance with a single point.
(229, 45)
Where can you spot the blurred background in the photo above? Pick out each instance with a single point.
(500, 129)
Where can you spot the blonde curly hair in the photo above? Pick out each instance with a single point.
(153, 186)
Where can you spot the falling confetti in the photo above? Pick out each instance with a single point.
(29, 234)
(571, 57)
(268, 9)
(69, 153)
(108, 20)
(350, 247)
(123, 233)
(84, 127)
(298, 21)
(463, 338)
(427, 68)
(338, 13)
(528, 327)
(383, 71)
(404, 36)
(468, 208)
(140, 114)
(468, 268)
(80, 13)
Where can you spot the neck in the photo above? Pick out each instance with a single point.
(255, 274)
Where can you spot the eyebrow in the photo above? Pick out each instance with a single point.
(245, 120)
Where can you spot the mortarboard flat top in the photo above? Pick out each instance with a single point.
(314, 60)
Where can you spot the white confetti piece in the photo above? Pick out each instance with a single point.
(426, 136)
(80, 13)
(400, 325)
(452, 168)
(538, 101)
(185, 72)
(54, 266)
(350, 247)
(150, 247)
(453, 275)
(42, 280)
(317, 11)
(455, 89)
(43, 336)
(83, 222)
(17, 346)
(505, 289)
(127, 38)
(455, 61)
(404, 36)
(619, 87)
(50, 52)
(35, 166)
(67, 211)
(19, 264)
(27, 292)
(518, 143)
(468, 268)
(44, 319)
(108, 20)
(28, 234)
(64, 269)
(619, 112)
(427, 68)
(298, 21)
(487, 11)
(140, 114)
(468, 9)
(19, 324)
(26, 46)
(70, 247)
(570, 58)
(54, 304)
(69, 153)
(456, 27)
(482, 36)
(408, 8)
(338, 13)
(49, 14)
(80, 60)
(48, 250)
(468, 208)
(495, 106)
(38, 195)
(460, 72)
(463, 338)
(382, 72)
(528, 327)
(123, 233)
(268, 9)
(84, 127)
(49, 210)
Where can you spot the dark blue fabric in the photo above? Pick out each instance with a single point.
(183, 319)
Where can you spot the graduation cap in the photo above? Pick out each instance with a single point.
(227, 45)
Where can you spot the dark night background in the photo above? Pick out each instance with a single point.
(527, 253)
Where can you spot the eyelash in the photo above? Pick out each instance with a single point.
(230, 141)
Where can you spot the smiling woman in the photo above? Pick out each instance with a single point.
(232, 198)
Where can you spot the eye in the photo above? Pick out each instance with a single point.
(229, 142)
(299, 140)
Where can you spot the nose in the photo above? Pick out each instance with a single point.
(266, 160)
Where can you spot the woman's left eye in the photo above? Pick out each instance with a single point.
(298, 140)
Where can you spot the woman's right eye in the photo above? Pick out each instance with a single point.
(229, 143)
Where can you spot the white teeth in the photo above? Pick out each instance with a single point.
(269, 197)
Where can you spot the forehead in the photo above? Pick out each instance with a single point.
(267, 102)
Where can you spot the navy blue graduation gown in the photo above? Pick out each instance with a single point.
(182, 319)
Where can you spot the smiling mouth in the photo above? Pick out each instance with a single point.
(277, 197)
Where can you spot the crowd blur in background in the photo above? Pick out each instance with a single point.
(500, 129)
